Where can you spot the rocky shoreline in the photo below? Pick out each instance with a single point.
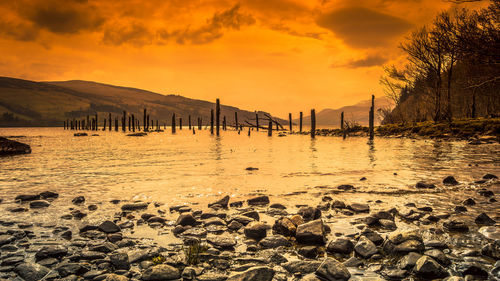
(253, 239)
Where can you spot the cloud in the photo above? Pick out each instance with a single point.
(369, 61)
(63, 18)
(283, 28)
(360, 27)
(19, 31)
(134, 33)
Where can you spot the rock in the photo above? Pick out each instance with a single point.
(455, 226)
(260, 200)
(485, 192)
(186, 219)
(234, 225)
(252, 214)
(11, 147)
(49, 195)
(359, 208)
(161, 272)
(27, 197)
(484, 219)
(255, 230)
(312, 232)
(338, 205)
(221, 202)
(341, 245)
(492, 250)
(309, 213)
(438, 256)
(450, 180)
(278, 206)
(261, 273)
(67, 269)
(135, 206)
(372, 236)
(365, 247)
(244, 220)
(301, 266)
(222, 241)
(52, 251)
(424, 185)
(284, 226)
(105, 247)
(473, 269)
(353, 262)
(92, 207)
(427, 267)
(120, 260)
(408, 262)
(78, 200)
(332, 270)
(460, 209)
(115, 277)
(31, 271)
(77, 214)
(489, 177)
(403, 242)
(310, 252)
(109, 227)
(189, 273)
(469, 202)
(274, 241)
(6, 239)
(80, 134)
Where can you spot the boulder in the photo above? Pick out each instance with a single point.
(109, 227)
(427, 267)
(11, 147)
(259, 200)
(161, 272)
(450, 180)
(365, 247)
(31, 271)
(284, 226)
(341, 246)
(309, 213)
(120, 261)
(255, 230)
(484, 219)
(332, 270)
(52, 251)
(223, 202)
(312, 232)
(186, 219)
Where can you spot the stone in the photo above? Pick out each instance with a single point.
(469, 202)
(455, 226)
(284, 226)
(115, 277)
(234, 225)
(223, 202)
(274, 241)
(403, 242)
(492, 250)
(338, 205)
(312, 232)
(49, 195)
(450, 180)
(365, 247)
(255, 230)
(424, 185)
(310, 252)
(309, 213)
(78, 200)
(27, 197)
(161, 272)
(359, 208)
(341, 246)
(278, 206)
(259, 200)
(31, 271)
(408, 262)
(105, 247)
(438, 256)
(6, 239)
(109, 227)
(484, 219)
(427, 267)
(353, 262)
(134, 206)
(345, 187)
(12, 147)
(372, 236)
(222, 241)
(261, 273)
(489, 177)
(120, 260)
(52, 251)
(332, 270)
(67, 269)
(186, 219)
(301, 266)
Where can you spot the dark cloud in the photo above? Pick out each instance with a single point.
(63, 17)
(212, 30)
(369, 61)
(134, 33)
(19, 31)
(363, 28)
(283, 28)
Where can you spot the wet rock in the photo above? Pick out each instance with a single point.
(12, 147)
(115, 277)
(492, 250)
(31, 271)
(311, 233)
(408, 262)
(450, 180)
(427, 267)
(310, 252)
(234, 225)
(277, 206)
(284, 226)
(309, 213)
(78, 200)
(236, 204)
(424, 185)
(489, 177)
(252, 214)
(27, 197)
(244, 220)
(109, 227)
(341, 245)
(120, 261)
(49, 195)
(469, 202)
(460, 209)
(161, 272)
(455, 226)
(105, 247)
(260, 200)
(484, 219)
(403, 242)
(186, 219)
(353, 262)
(92, 207)
(77, 214)
(485, 192)
(365, 247)
(274, 241)
(338, 205)
(222, 241)
(156, 219)
(301, 266)
(6, 239)
(372, 236)
(359, 208)
(52, 251)
(261, 273)
(17, 210)
(255, 230)
(135, 206)
(223, 202)
(474, 269)
(67, 269)
(332, 270)
(439, 256)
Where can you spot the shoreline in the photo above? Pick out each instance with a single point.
(254, 239)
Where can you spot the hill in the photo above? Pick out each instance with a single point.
(357, 113)
(29, 103)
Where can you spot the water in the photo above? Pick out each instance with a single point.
(197, 169)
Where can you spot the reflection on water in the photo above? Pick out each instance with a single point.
(186, 167)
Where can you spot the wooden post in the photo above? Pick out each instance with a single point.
(180, 123)
(342, 124)
(300, 122)
(133, 123)
(193, 131)
(157, 126)
(96, 122)
(88, 122)
(217, 116)
(290, 121)
(124, 121)
(248, 131)
(110, 122)
(211, 121)
(189, 121)
(199, 123)
(313, 123)
(145, 121)
(236, 126)
(173, 123)
(270, 128)
(257, 121)
(129, 123)
(372, 117)
(64, 125)
(104, 128)
(116, 124)
(224, 122)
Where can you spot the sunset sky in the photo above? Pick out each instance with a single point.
(275, 55)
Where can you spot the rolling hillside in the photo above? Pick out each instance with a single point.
(29, 103)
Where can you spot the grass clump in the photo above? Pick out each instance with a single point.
(159, 260)
(193, 251)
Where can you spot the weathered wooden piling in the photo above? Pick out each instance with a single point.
(372, 118)
(116, 124)
(133, 123)
(290, 121)
(199, 123)
(180, 123)
(147, 123)
(236, 126)
(217, 117)
(270, 128)
(248, 131)
(157, 126)
(173, 123)
(145, 120)
(342, 125)
(300, 122)
(193, 131)
(189, 121)
(64, 125)
(257, 121)
(224, 123)
(211, 121)
(96, 122)
(124, 121)
(88, 123)
(313, 123)
(104, 127)
(110, 121)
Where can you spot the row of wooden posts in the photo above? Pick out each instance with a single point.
(134, 123)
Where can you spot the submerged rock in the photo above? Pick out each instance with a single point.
(424, 185)
(11, 147)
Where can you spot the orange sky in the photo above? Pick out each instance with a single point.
(275, 55)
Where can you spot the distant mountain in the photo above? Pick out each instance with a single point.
(29, 103)
(353, 113)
